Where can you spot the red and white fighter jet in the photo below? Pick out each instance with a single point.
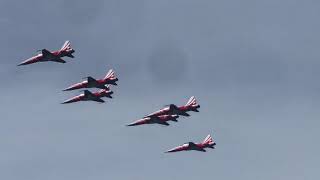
(89, 96)
(54, 56)
(110, 78)
(206, 143)
(155, 120)
(191, 105)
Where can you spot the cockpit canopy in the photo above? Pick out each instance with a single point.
(189, 144)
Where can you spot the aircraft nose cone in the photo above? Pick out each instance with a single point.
(66, 102)
(68, 89)
(132, 124)
(21, 64)
(169, 151)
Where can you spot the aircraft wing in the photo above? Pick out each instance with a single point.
(49, 56)
(163, 123)
(91, 80)
(182, 113)
(202, 150)
(97, 99)
(59, 60)
(178, 148)
(46, 53)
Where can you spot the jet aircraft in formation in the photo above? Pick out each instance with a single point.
(191, 105)
(102, 84)
(170, 113)
(89, 96)
(55, 56)
(162, 119)
(110, 78)
(206, 143)
(162, 116)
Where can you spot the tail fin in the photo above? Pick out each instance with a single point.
(110, 75)
(66, 46)
(208, 140)
(192, 101)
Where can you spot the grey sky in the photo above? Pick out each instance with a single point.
(252, 65)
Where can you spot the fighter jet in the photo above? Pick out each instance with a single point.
(206, 143)
(155, 120)
(110, 78)
(191, 105)
(55, 56)
(89, 96)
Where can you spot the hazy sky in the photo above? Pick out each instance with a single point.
(253, 66)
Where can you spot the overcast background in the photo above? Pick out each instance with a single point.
(253, 65)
